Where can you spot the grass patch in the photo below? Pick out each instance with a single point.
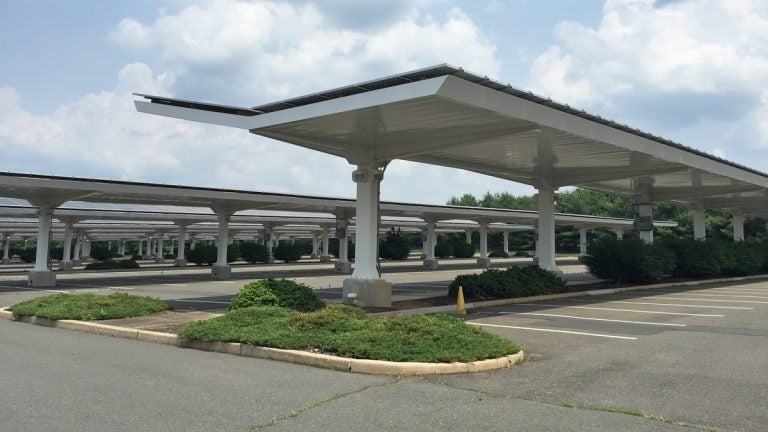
(347, 331)
(88, 307)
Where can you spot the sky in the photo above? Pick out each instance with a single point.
(694, 71)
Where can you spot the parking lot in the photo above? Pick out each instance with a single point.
(684, 357)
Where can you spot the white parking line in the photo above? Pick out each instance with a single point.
(41, 289)
(714, 295)
(224, 282)
(554, 331)
(593, 319)
(670, 304)
(175, 285)
(739, 291)
(121, 288)
(200, 301)
(616, 310)
(714, 300)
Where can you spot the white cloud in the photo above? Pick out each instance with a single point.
(671, 67)
(236, 51)
(256, 51)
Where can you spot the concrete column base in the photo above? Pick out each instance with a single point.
(314, 256)
(343, 267)
(76, 263)
(423, 256)
(370, 292)
(431, 264)
(66, 266)
(325, 258)
(86, 259)
(159, 260)
(221, 271)
(5, 260)
(42, 279)
(271, 260)
(180, 262)
(484, 262)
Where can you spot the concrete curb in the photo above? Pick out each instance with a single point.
(517, 300)
(371, 367)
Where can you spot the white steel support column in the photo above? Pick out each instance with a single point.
(192, 242)
(343, 265)
(699, 224)
(545, 243)
(41, 275)
(506, 242)
(181, 260)
(66, 259)
(159, 259)
(366, 284)
(737, 220)
(315, 246)
(430, 261)
(6, 249)
(141, 247)
(78, 250)
(484, 261)
(170, 244)
(269, 238)
(619, 233)
(326, 256)
(582, 241)
(644, 208)
(469, 236)
(222, 270)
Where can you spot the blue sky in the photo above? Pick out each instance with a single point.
(695, 71)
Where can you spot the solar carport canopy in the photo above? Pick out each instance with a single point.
(446, 116)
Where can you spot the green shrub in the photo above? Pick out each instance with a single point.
(253, 252)
(695, 258)
(100, 252)
(394, 246)
(630, 260)
(512, 282)
(287, 252)
(112, 265)
(202, 254)
(88, 306)
(462, 249)
(254, 294)
(333, 247)
(274, 292)
(522, 254)
(443, 248)
(28, 255)
(498, 254)
(742, 258)
(346, 331)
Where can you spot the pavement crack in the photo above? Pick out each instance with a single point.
(312, 405)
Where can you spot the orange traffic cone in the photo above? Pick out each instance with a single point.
(461, 308)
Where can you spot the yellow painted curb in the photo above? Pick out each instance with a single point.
(372, 367)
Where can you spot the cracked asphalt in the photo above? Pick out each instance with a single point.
(686, 359)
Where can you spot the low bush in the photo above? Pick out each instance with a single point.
(443, 248)
(742, 258)
(346, 331)
(277, 292)
(169, 256)
(695, 258)
(522, 254)
(135, 256)
(112, 265)
(101, 252)
(394, 246)
(28, 255)
(208, 254)
(253, 252)
(630, 260)
(498, 254)
(512, 282)
(463, 249)
(287, 252)
(88, 306)
(333, 247)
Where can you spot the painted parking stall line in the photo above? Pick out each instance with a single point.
(670, 304)
(619, 310)
(712, 300)
(592, 319)
(602, 335)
